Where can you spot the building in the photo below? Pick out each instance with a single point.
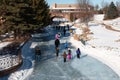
(70, 10)
(71, 7)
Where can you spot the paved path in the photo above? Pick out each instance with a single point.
(48, 67)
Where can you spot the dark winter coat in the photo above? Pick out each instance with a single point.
(57, 42)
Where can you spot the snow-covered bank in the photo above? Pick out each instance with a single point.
(115, 23)
(104, 44)
(28, 63)
(105, 39)
(23, 72)
(112, 61)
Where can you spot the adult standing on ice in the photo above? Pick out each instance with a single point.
(57, 43)
(64, 30)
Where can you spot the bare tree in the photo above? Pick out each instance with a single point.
(86, 9)
(118, 5)
(84, 1)
(104, 6)
(96, 7)
(84, 4)
(86, 13)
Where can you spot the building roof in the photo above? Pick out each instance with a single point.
(68, 6)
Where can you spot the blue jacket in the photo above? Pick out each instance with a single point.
(66, 45)
(78, 52)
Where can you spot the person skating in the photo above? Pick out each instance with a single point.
(37, 53)
(64, 31)
(78, 52)
(57, 43)
(69, 56)
(64, 56)
(66, 45)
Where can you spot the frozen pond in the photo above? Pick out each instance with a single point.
(48, 67)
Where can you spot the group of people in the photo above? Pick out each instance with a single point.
(63, 29)
(67, 55)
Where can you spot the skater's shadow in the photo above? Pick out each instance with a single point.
(81, 57)
(44, 58)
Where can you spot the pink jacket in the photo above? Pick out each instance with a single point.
(69, 56)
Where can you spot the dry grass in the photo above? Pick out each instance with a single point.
(110, 28)
(76, 37)
(117, 40)
(22, 39)
(84, 35)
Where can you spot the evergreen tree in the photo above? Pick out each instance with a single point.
(42, 13)
(25, 15)
(112, 12)
(36, 15)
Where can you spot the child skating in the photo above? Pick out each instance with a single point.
(69, 56)
(64, 56)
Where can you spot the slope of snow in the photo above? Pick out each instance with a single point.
(115, 23)
(104, 37)
(98, 17)
(104, 44)
(100, 55)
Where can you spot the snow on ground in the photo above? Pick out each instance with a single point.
(28, 63)
(112, 61)
(3, 44)
(99, 17)
(104, 44)
(115, 23)
(105, 39)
